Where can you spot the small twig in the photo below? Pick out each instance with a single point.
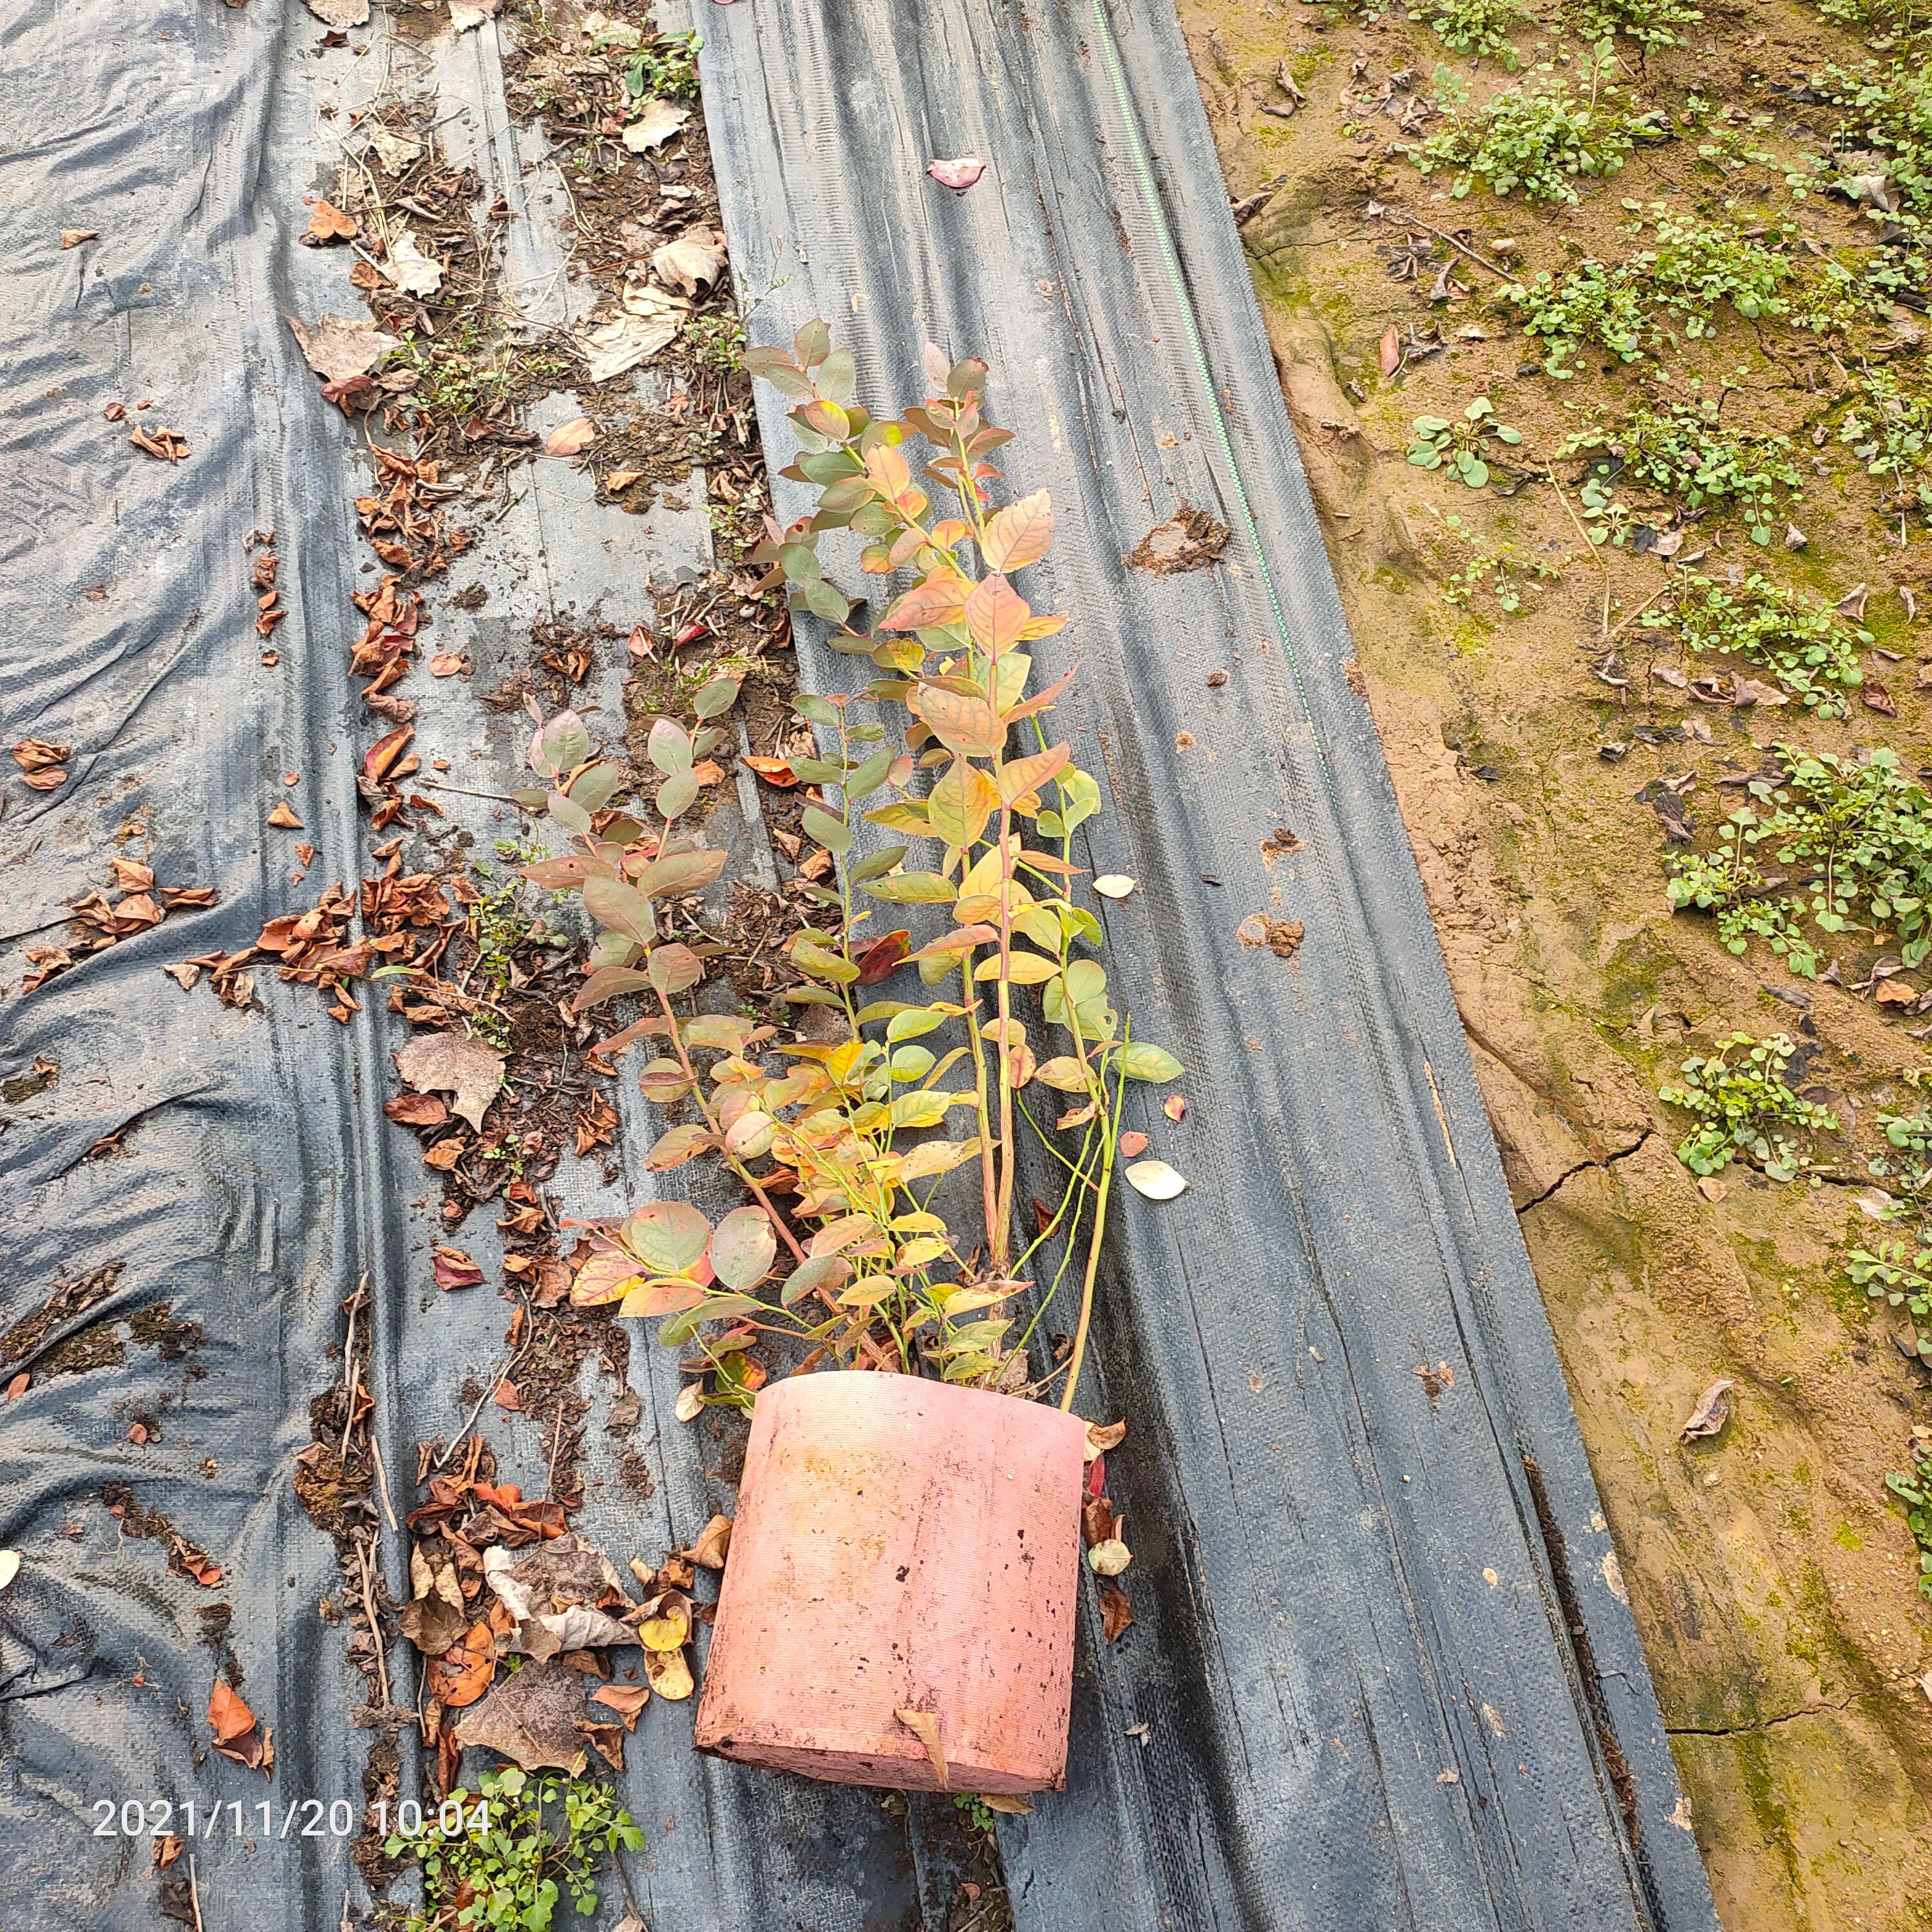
(1624, 623)
(470, 1420)
(381, 1480)
(375, 1621)
(1595, 549)
(194, 1893)
(1463, 248)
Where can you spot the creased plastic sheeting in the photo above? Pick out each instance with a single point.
(257, 1182)
(1361, 1704)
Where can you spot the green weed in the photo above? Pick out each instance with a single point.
(1743, 1106)
(1540, 140)
(1477, 27)
(1811, 649)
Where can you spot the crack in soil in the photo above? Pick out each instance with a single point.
(1606, 1164)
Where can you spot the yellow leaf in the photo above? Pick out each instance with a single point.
(1023, 969)
(669, 1674)
(1020, 534)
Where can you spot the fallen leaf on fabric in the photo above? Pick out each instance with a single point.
(1102, 1436)
(165, 446)
(774, 772)
(72, 237)
(1003, 1800)
(1175, 1106)
(656, 123)
(623, 343)
(626, 1700)
(340, 13)
(1114, 885)
(465, 14)
(924, 1725)
(1156, 1180)
(284, 817)
(622, 479)
(40, 754)
(10, 1566)
(959, 175)
(710, 1546)
(18, 1385)
(410, 268)
(454, 1269)
(463, 1672)
(1133, 1142)
(416, 1110)
(1712, 1412)
(447, 664)
(567, 438)
(1117, 1616)
(329, 224)
(690, 1402)
(454, 1063)
(227, 1715)
(432, 1625)
(669, 1674)
(339, 347)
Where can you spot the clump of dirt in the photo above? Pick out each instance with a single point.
(1190, 539)
(68, 1301)
(1551, 750)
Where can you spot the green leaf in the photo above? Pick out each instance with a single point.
(813, 959)
(815, 710)
(673, 969)
(834, 834)
(872, 866)
(622, 907)
(667, 1237)
(718, 697)
(830, 1272)
(669, 746)
(870, 775)
(678, 793)
(822, 600)
(1141, 1061)
(744, 1248)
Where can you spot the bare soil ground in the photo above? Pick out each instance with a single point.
(1772, 1572)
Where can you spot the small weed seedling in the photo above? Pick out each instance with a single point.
(1681, 450)
(1460, 447)
(1915, 1490)
(1889, 428)
(1651, 23)
(1540, 140)
(1852, 841)
(521, 1845)
(1481, 28)
(1500, 572)
(1811, 649)
(1743, 1107)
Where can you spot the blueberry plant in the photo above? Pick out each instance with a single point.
(868, 1262)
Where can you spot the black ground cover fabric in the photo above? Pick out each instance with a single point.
(1382, 1657)
(1361, 1705)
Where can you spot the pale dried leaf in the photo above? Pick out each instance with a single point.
(531, 1716)
(924, 1725)
(692, 262)
(1156, 1180)
(340, 346)
(456, 1063)
(621, 343)
(10, 1566)
(1102, 1436)
(1114, 885)
(340, 13)
(658, 122)
(1109, 1557)
(410, 269)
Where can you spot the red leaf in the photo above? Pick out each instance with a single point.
(884, 958)
(455, 1269)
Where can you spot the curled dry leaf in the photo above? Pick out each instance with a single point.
(1108, 1558)
(1175, 1106)
(1156, 1180)
(959, 175)
(1133, 1142)
(1389, 349)
(10, 1566)
(692, 262)
(1712, 1412)
(924, 1725)
(283, 816)
(690, 1402)
(329, 224)
(567, 438)
(709, 1547)
(626, 1700)
(1102, 1436)
(1117, 1616)
(410, 269)
(228, 1716)
(1001, 1800)
(72, 237)
(1114, 885)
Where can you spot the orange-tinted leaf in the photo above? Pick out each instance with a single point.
(996, 613)
(609, 1275)
(228, 1716)
(1018, 776)
(1020, 534)
(1117, 1616)
(939, 599)
(463, 1673)
(773, 771)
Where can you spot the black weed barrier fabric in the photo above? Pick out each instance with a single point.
(1381, 1675)
(1381, 1658)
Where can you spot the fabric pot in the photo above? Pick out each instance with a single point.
(900, 1545)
